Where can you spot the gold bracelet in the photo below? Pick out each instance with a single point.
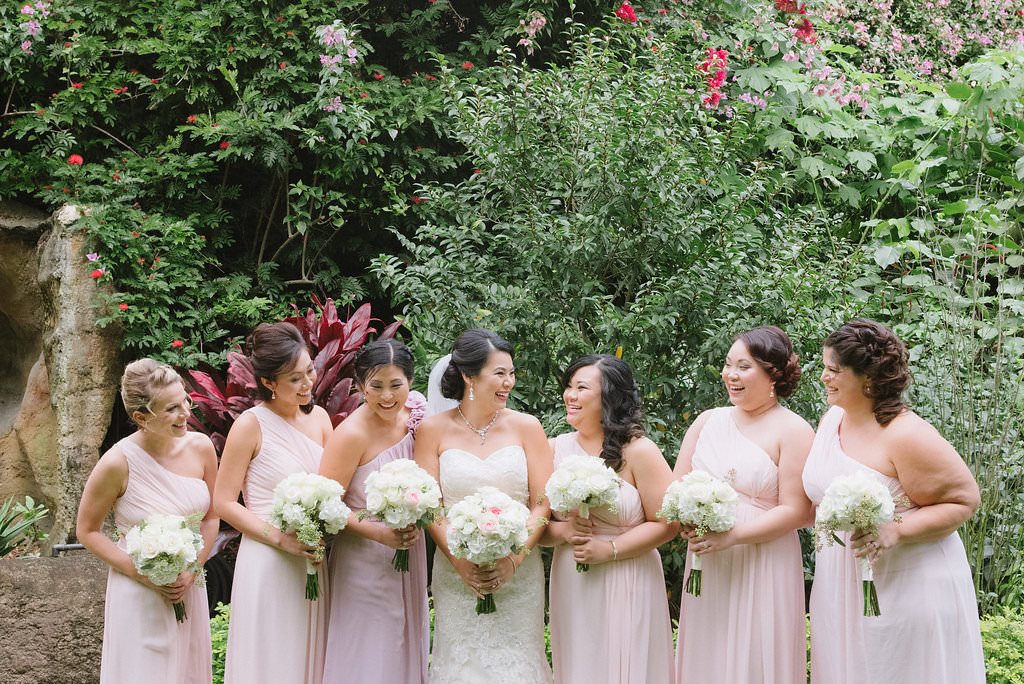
(512, 560)
(615, 551)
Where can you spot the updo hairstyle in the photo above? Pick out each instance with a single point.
(273, 348)
(380, 354)
(772, 349)
(141, 380)
(469, 356)
(872, 350)
(621, 406)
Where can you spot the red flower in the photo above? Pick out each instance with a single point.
(191, 118)
(662, 11)
(231, 48)
(379, 76)
(67, 44)
(283, 65)
(76, 85)
(135, 235)
(626, 13)
(116, 177)
(428, 76)
(225, 145)
(141, 260)
(176, 343)
(75, 160)
(40, 111)
(154, 80)
(364, 95)
(122, 307)
(467, 65)
(417, 200)
(96, 274)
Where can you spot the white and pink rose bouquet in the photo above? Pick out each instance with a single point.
(484, 527)
(702, 500)
(856, 502)
(311, 506)
(402, 494)
(582, 482)
(162, 547)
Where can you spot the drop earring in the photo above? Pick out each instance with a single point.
(471, 393)
(772, 392)
(273, 394)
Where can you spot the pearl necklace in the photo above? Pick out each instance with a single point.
(482, 432)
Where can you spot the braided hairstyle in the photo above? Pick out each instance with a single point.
(872, 350)
(621, 407)
(772, 350)
(469, 355)
(272, 349)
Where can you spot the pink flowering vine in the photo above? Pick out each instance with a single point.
(714, 68)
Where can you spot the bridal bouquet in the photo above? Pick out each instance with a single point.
(856, 502)
(707, 503)
(582, 481)
(484, 527)
(164, 546)
(310, 505)
(401, 494)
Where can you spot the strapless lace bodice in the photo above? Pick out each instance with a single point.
(506, 647)
(463, 474)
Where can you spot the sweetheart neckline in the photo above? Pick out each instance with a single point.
(489, 456)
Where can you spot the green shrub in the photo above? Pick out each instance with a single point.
(18, 524)
(1002, 635)
(219, 639)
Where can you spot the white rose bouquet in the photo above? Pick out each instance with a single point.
(582, 481)
(707, 503)
(484, 527)
(311, 506)
(401, 494)
(856, 502)
(164, 546)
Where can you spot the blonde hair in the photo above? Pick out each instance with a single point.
(141, 380)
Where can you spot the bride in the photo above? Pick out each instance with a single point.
(479, 443)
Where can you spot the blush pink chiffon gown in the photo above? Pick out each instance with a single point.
(928, 630)
(275, 634)
(141, 638)
(379, 631)
(748, 623)
(611, 623)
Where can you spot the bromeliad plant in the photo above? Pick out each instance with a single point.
(333, 343)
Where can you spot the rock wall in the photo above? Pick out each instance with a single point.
(60, 372)
(51, 619)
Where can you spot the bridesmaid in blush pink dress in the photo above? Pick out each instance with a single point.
(928, 630)
(611, 623)
(748, 623)
(161, 468)
(379, 631)
(275, 634)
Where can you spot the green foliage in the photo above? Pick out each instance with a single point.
(1002, 635)
(219, 639)
(18, 524)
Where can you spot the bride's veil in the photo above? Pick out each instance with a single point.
(437, 402)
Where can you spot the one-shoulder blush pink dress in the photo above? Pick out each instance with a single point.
(379, 631)
(275, 634)
(748, 623)
(141, 638)
(928, 630)
(611, 623)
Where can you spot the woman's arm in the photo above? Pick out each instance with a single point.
(557, 531)
(934, 477)
(345, 448)
(652, 476)
(684, 460)
(207, 455)
(242, 445)
(105, 485)
(794, 507)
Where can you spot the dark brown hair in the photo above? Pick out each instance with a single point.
(469, 356)
(773, 351)
(272, 349)
(872, 350)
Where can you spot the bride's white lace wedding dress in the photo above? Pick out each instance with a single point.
(506, 646)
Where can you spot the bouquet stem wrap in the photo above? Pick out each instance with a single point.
(693, 579)
(867, 575)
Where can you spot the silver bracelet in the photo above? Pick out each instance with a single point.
(615, 551)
